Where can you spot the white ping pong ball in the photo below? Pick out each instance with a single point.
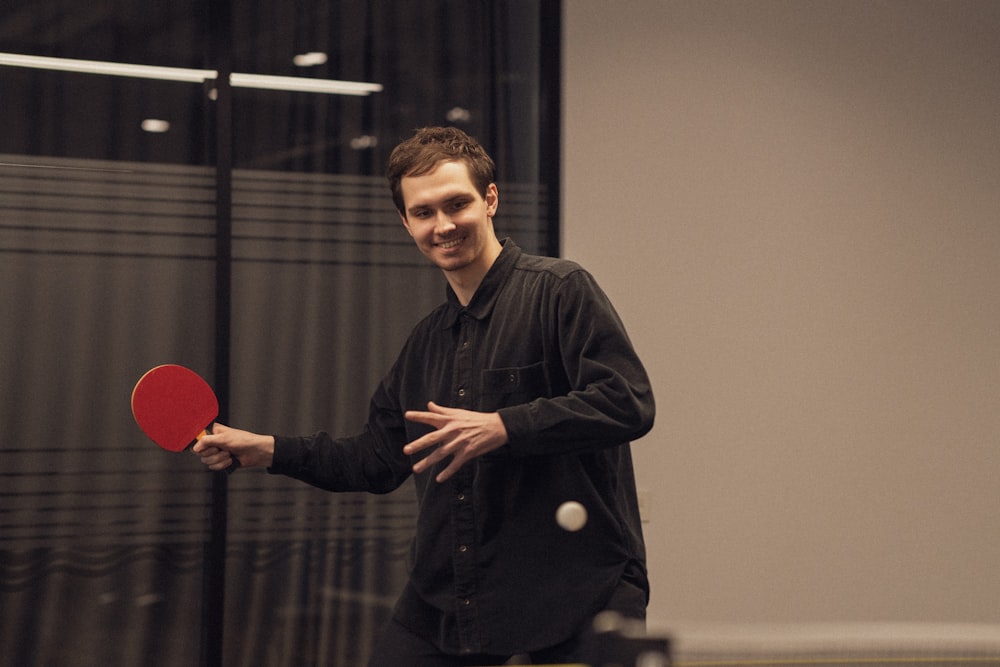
(571, 516)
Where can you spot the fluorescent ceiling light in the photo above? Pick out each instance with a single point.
(111, 68)
(260, 81)
(155, 125)
(310, 59)
(302, 84)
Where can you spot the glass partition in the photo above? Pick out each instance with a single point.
(115, 219)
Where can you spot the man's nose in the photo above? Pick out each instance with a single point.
(443, 223)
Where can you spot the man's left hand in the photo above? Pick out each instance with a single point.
(461, 434)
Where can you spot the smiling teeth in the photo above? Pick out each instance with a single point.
(450, 244)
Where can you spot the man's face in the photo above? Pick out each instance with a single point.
(449, 219)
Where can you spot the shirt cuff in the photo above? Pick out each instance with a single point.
(517, 420)
(287, 451)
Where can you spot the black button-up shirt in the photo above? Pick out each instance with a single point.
(492, 572)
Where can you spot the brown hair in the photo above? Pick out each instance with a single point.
(422, 152)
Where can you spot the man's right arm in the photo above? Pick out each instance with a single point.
(218, 449)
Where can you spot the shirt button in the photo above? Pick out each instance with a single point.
(461, 392)
(463, 549)
(466, 602)
(461, 496)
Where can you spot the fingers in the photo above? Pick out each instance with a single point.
(436, 415)
(438, 418)
(452, 468)
(215, 458)
(210, 449)
(451, 437)
(210, 439)
(459, 459)
(461, 434)
(423, 442)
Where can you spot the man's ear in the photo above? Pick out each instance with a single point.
(492, 199)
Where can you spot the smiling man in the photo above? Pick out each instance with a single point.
(452, 223)
(519, 393)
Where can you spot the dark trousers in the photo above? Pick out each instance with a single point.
(398, 646)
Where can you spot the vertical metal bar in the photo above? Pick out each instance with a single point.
(550, 112)
(214, 567)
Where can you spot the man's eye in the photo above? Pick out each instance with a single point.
(459, 205)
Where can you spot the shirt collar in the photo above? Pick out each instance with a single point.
(486, 294)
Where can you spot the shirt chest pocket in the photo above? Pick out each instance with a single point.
(511, 386)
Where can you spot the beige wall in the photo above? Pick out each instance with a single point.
(796, 207)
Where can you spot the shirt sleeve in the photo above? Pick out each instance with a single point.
(372, 461)
(610, 399)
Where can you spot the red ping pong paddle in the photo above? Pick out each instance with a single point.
(175, 407)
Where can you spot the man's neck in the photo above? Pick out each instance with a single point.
(466, 281)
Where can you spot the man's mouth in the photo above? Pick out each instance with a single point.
(446, 245)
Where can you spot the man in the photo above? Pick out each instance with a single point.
(519, 393)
